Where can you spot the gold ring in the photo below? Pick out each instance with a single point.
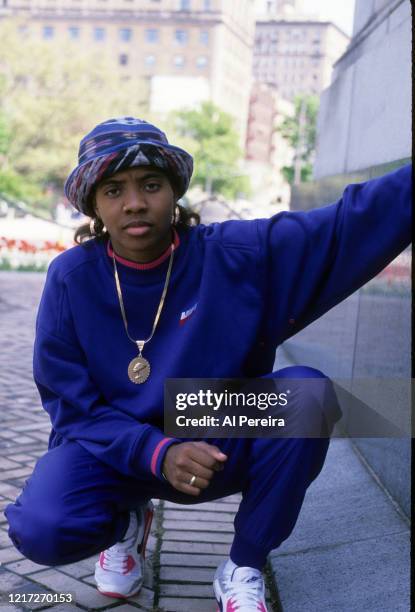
(192, 481)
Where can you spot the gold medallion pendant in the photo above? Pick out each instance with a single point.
(138, 370)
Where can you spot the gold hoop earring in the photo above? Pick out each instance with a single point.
(176, 215)
(96, 227)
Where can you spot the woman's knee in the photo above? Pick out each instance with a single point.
(48, 536)
(312, 404)
(35, 532)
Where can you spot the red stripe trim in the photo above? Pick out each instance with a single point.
(150, 264)
(157, 453)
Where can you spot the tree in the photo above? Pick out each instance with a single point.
(51, 94)
(300, 131)
(209, 135)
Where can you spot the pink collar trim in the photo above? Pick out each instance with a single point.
(149, 265)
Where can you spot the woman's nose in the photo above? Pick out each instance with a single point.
(135, 200)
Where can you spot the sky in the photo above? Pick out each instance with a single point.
(341, 13)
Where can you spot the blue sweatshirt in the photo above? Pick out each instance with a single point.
(237, 290)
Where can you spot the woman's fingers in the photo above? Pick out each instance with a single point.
(185, 488)
(196, 469)
(186, 460)
(206, 455)
(196, 483)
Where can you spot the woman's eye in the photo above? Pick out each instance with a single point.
(152, 186)
(113, 192)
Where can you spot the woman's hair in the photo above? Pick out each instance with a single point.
(183, 218)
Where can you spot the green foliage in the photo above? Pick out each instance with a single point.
(209, 135)
(51, 94)
(16, 187)
(306, 173)
(302, 140)
(5, 135)
(5, 265)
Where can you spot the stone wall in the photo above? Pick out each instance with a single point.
(364, 130)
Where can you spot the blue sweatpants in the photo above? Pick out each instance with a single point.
(74, 506)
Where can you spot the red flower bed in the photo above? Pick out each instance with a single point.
(27, 247)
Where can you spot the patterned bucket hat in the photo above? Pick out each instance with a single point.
(122, 143)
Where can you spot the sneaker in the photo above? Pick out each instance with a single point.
(119, 571)
(239, 589)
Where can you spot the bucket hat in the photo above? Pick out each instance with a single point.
(118, 144)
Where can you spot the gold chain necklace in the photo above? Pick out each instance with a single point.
(139, 367)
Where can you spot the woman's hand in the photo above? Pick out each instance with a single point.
(187, 459)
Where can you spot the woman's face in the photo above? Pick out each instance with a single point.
(136, 206)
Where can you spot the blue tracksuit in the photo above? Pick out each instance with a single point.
(238, 289)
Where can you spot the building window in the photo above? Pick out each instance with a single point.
(99, 34)
(48, 32)
(201, 61)
(73, 32)
(181, 37)
(204, 37)
(123, 59)
(178, 61)
(152, 35)
(125, 34)
(150, 60)
(185, 5)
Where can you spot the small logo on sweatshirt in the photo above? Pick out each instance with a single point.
(186, 314)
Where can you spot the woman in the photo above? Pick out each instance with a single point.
(153, 296)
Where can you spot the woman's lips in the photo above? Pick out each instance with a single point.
(138, 230)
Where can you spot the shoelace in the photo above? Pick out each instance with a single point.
(116, 557)
(246, 596)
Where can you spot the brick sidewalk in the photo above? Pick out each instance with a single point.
(187, 542)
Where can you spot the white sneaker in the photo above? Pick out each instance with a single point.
(119, 571)
(239, 589)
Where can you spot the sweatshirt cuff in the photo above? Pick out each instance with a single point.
(158, 456)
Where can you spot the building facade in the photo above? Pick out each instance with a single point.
(266, 151)
(370, 98)
(297, 56)
(188, 50)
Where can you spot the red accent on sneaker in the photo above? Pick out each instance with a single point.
(148, 519)
(116, 595)
(102, 559)
(129, 564)
(261, 607)
(230, 606)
